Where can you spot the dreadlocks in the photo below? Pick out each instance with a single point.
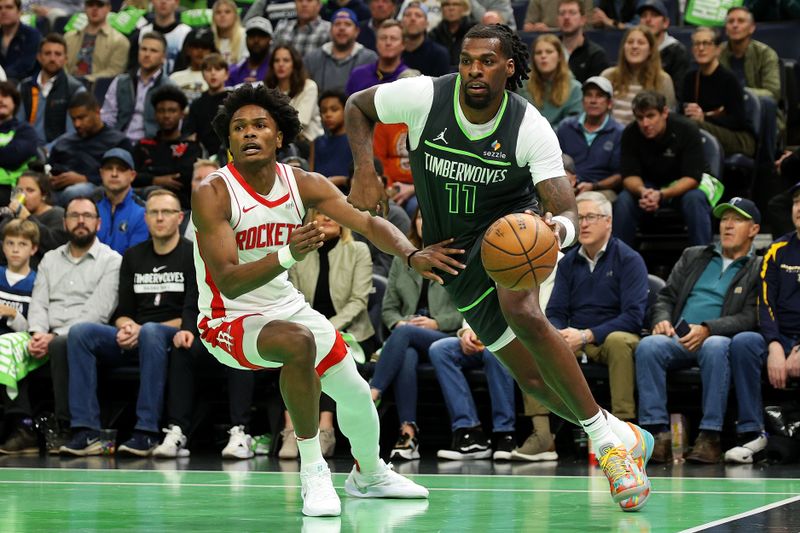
(511, 46)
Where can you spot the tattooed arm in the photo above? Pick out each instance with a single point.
(366, 189)
(558, 198)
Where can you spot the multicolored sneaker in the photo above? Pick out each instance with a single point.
(641, 453)
(624, 476)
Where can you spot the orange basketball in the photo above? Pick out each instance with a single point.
(519, 251)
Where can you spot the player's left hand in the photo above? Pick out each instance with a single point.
(697, 335)
(437, 256)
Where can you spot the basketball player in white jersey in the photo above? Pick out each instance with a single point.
(248, 217)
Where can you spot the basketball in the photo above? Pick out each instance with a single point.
(519, 251)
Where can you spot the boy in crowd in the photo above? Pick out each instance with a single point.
(202, 110)
(332, 156)
(20, 242)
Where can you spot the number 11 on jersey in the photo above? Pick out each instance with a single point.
(456, 192)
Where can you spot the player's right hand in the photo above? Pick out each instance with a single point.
(305, 240)
(367, 192)
(437, 256)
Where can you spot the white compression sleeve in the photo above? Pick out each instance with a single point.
(357, 416)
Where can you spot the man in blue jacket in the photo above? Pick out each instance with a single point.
(712, 290)
(593, 140)
(122, 222)
(779, 309)
(599, 299)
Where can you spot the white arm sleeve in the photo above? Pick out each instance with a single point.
(407, 101)
(538, 148)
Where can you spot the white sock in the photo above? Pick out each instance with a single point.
(622, 430)
(356, 413)
(600, 432)
(310, 451)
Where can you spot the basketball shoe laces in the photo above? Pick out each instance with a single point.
(613, 463)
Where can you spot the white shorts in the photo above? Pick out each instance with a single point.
(233, 340)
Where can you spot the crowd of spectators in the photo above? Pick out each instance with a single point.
(105, 131)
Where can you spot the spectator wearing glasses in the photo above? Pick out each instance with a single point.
(713, 97)
(152, 282)
(599, 299)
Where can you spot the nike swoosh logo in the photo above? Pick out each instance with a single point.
(246, 209)
(159, 269)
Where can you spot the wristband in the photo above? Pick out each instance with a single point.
(412, 254)
(569, 227)
(285, 257)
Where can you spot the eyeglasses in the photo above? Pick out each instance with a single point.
(702, 44)
(161, 212)
(591, 218)
(85, 216)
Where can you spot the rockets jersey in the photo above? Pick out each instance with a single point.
(261, 225)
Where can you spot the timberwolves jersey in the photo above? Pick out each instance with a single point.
(463, 183)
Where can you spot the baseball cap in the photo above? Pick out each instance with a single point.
(601, 83)
(259, 23)
(415, 3)
(201, 37)
(118, 153)
(345, 13)
(743, 206)
(796, 189)
(656, 5)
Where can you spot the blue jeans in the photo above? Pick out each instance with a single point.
(658, 353)
(449, 361)
(66, 194)
(398, 365)
(89, 343)
(693, 204)
(748, 355)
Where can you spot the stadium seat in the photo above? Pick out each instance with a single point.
(654, 286)
(714, 155)
(740, 170)
(375, 305)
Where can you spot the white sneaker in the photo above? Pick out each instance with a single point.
(174, 444)
(240, 444)
(319, 497)
(744, 454)
(385, 483)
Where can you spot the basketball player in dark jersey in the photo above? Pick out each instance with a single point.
(479, 152)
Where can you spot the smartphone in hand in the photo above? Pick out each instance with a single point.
(682, 328)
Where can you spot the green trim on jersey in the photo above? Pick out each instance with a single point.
(468, 154)
(476, 302)
(458, 117)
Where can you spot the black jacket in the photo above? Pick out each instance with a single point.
(739, 307)
(57, 103)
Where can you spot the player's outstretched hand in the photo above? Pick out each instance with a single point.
(367, 193)
(437, 256)
(304, 240)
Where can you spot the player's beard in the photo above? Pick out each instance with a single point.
(477, 103)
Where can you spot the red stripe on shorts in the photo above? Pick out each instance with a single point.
(336, 355)
(229, 337)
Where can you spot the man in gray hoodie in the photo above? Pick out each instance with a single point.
(330, 65)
